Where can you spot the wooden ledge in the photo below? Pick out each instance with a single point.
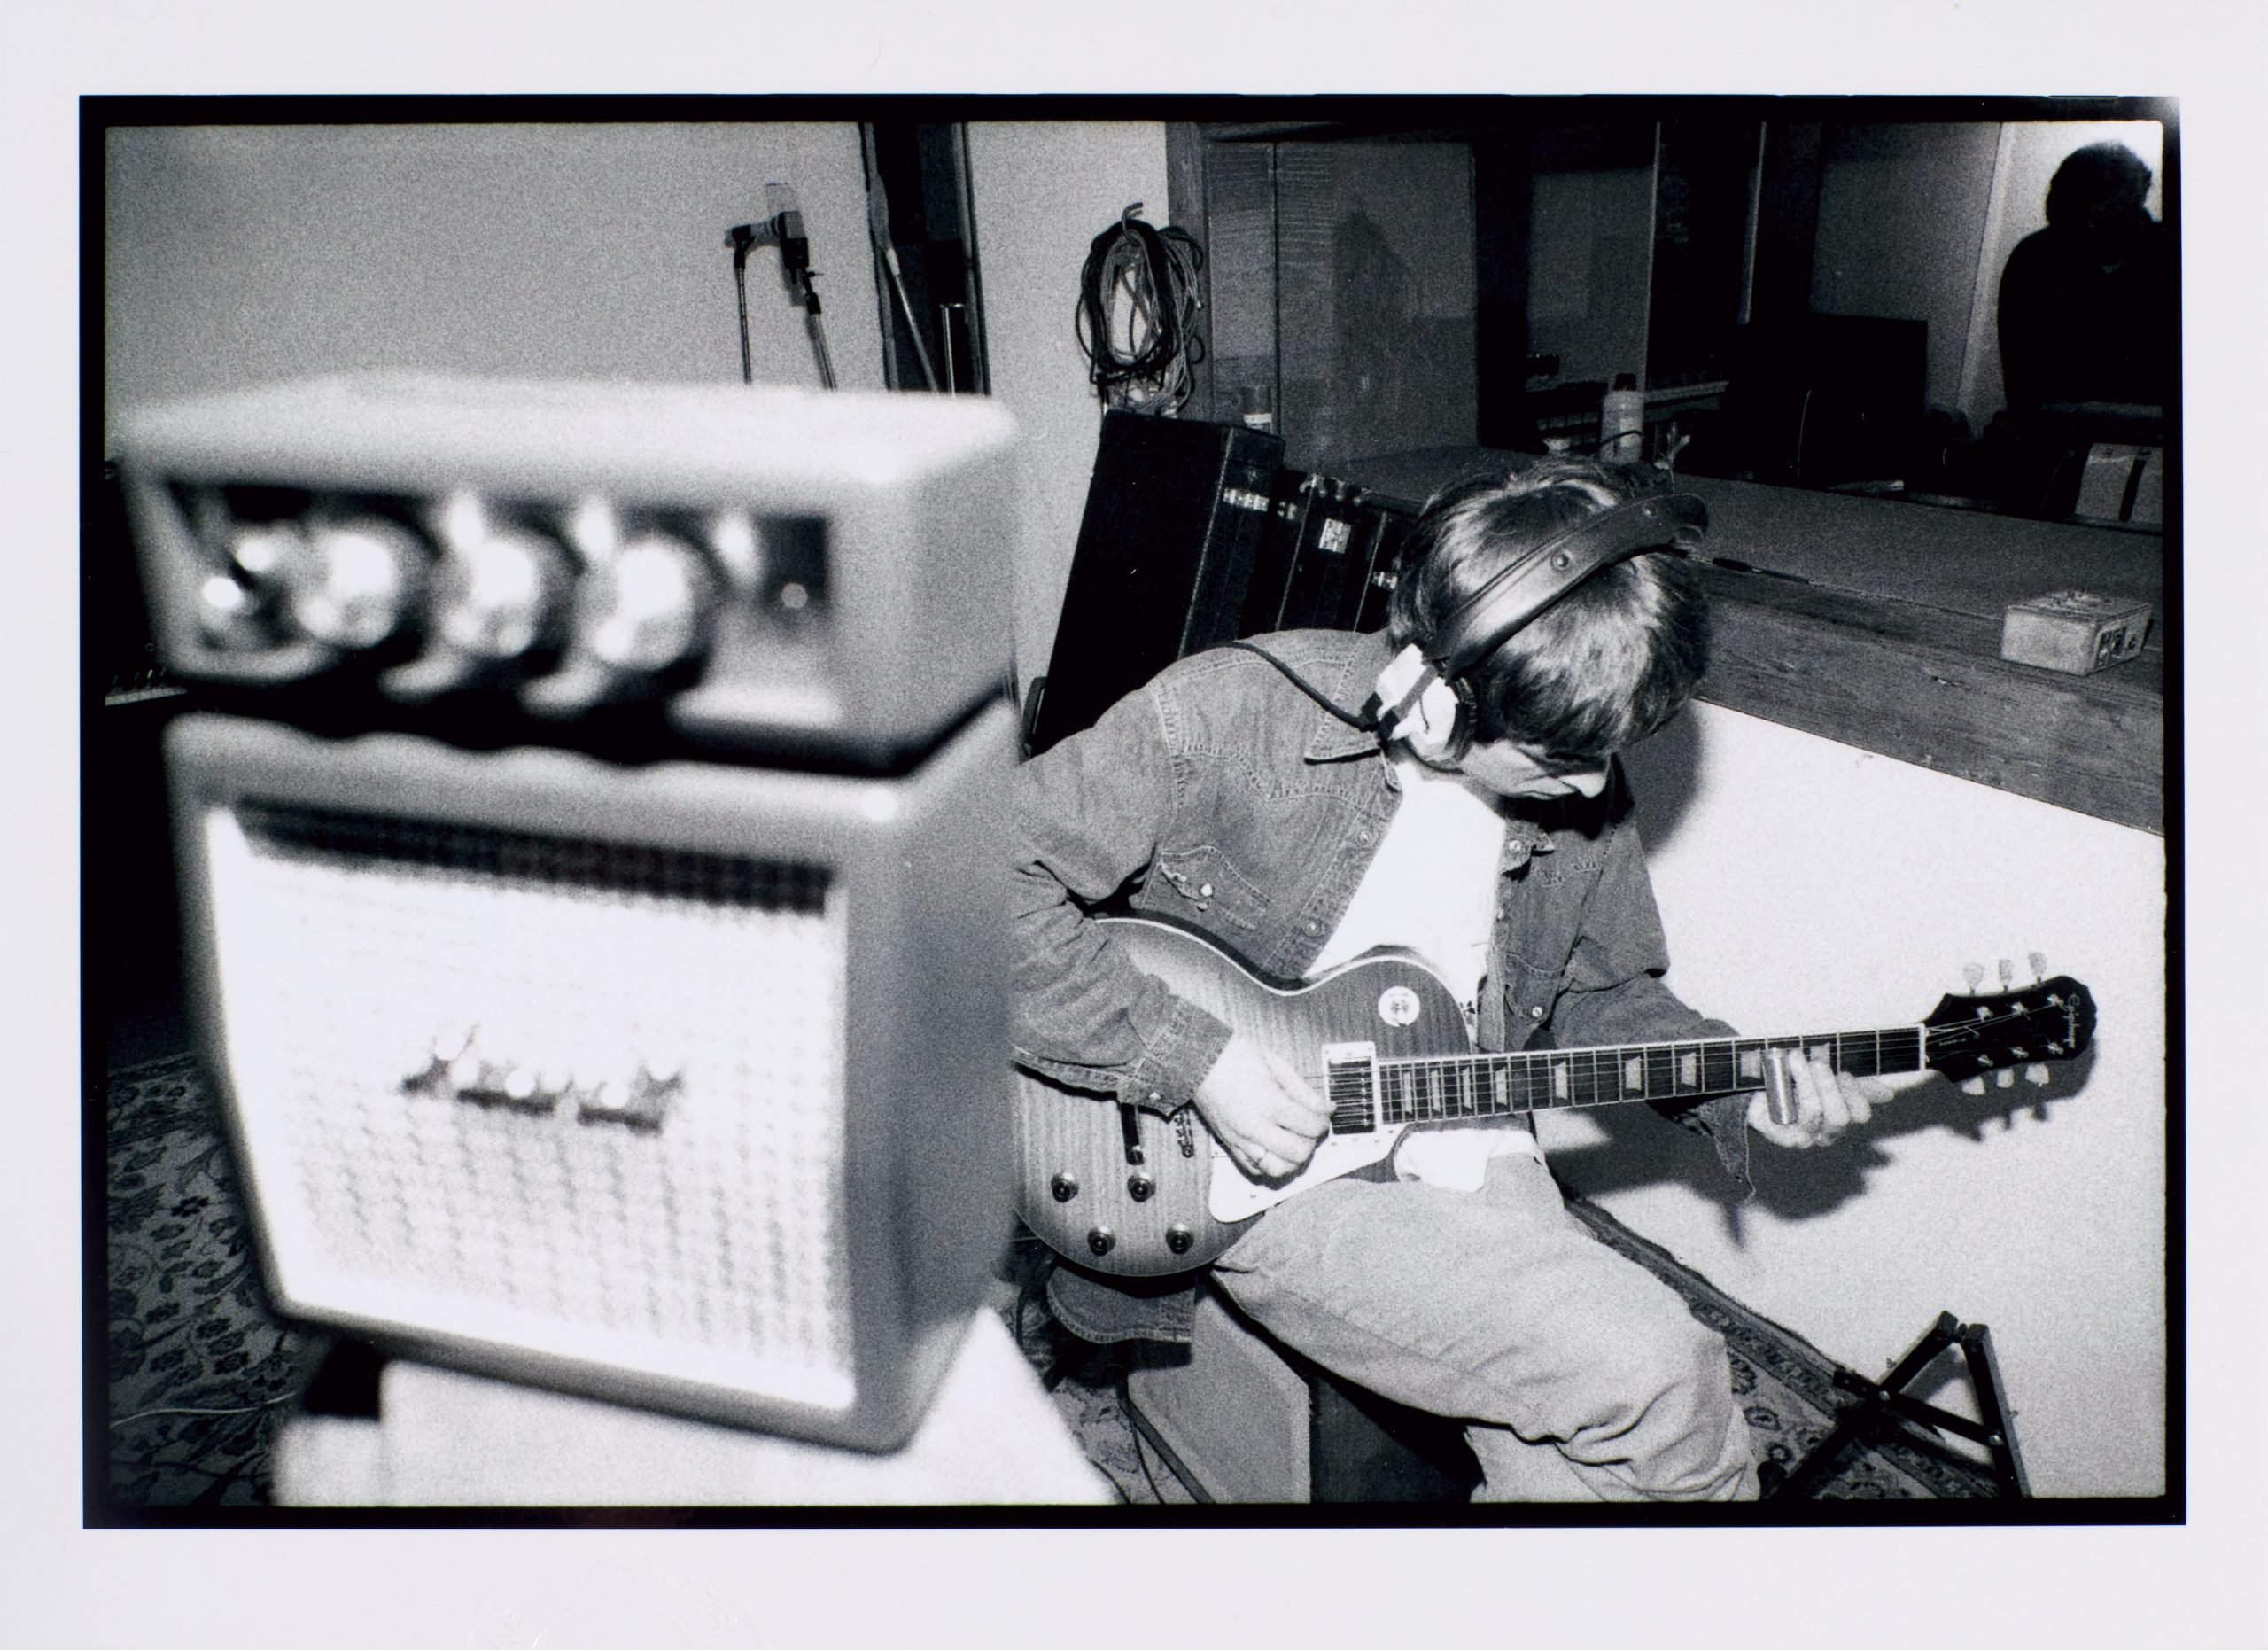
(1884, 633)
(1927, 685)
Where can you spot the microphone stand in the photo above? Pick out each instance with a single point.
(742, 236)
(784, 230)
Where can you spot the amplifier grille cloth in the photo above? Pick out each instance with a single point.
(710, 1248)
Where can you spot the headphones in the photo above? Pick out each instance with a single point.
(1422, 698)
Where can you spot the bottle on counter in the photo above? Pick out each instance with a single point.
(1622, 420)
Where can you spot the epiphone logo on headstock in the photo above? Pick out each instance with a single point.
(2054, 1020)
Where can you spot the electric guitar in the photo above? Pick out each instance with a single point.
(1125, 1191)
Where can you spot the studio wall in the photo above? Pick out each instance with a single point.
(235, 254)
(1042, 190)
(1916, 221)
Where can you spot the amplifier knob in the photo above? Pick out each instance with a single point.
(1101, 1240)
(1179, 1239)
(358, 582)
(267, 553)
(502, 596)
(228, 614)
(1063, 1188)
(237, 608)
(648, 607)
(644, 607)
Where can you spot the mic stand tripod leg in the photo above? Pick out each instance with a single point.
(1879, 1400)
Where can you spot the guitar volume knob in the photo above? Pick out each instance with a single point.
(1063, 1188)
(1101, 1240)
(1139, 1187)
(1180, 1239)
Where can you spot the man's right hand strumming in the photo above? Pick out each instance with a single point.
(1261, 1110)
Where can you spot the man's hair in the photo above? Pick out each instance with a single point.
(1607, 663)
(2097, 176)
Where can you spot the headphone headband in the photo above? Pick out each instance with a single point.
(1532, 583)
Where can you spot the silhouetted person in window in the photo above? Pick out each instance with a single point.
(2087, 303)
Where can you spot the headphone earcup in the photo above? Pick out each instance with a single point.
(1425, 720)
(1430, 729)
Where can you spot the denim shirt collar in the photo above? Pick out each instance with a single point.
(1333, 740)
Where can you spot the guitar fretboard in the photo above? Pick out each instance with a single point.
(1496, 1085)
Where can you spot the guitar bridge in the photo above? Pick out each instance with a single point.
(1350, 1074)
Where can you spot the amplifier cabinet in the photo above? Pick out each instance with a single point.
(1329, 560)
(679, 1084)
(1175, 512)
(1195, 535)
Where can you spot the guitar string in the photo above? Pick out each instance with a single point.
(1888, 1037)
(1511, 1083)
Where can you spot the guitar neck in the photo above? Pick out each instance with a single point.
(1500, 1085)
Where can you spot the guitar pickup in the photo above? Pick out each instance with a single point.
(1350, 1075)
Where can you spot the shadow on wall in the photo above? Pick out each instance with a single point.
(1665, 778)
(1638, 1150)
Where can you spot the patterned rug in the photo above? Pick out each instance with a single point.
(200, 1370)
(1787, 1387)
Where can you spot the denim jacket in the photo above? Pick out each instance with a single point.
(1222, 798)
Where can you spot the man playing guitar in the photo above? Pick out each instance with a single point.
(1449, 788)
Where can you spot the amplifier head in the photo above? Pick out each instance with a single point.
(682, 1084)
(773, 568)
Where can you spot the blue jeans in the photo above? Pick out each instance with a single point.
(1498, 1307)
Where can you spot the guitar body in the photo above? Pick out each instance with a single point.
(1082, 1196)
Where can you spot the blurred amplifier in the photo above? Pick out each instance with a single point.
(668, 1066)
(766, 569)
(681, 1085)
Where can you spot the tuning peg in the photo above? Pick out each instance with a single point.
(2036, 1074)
(2039, 960)
(2008, 974)
(1974, 1085)
(1974, 973)
(2006, 1079)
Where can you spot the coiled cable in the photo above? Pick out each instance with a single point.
(1138, 304)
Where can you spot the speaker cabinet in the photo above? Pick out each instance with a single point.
(1195, 535)
(1176, 514)
(682, 1086)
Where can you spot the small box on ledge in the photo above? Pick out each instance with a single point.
(2077, 632)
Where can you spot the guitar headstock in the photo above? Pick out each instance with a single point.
(1965, 1036)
